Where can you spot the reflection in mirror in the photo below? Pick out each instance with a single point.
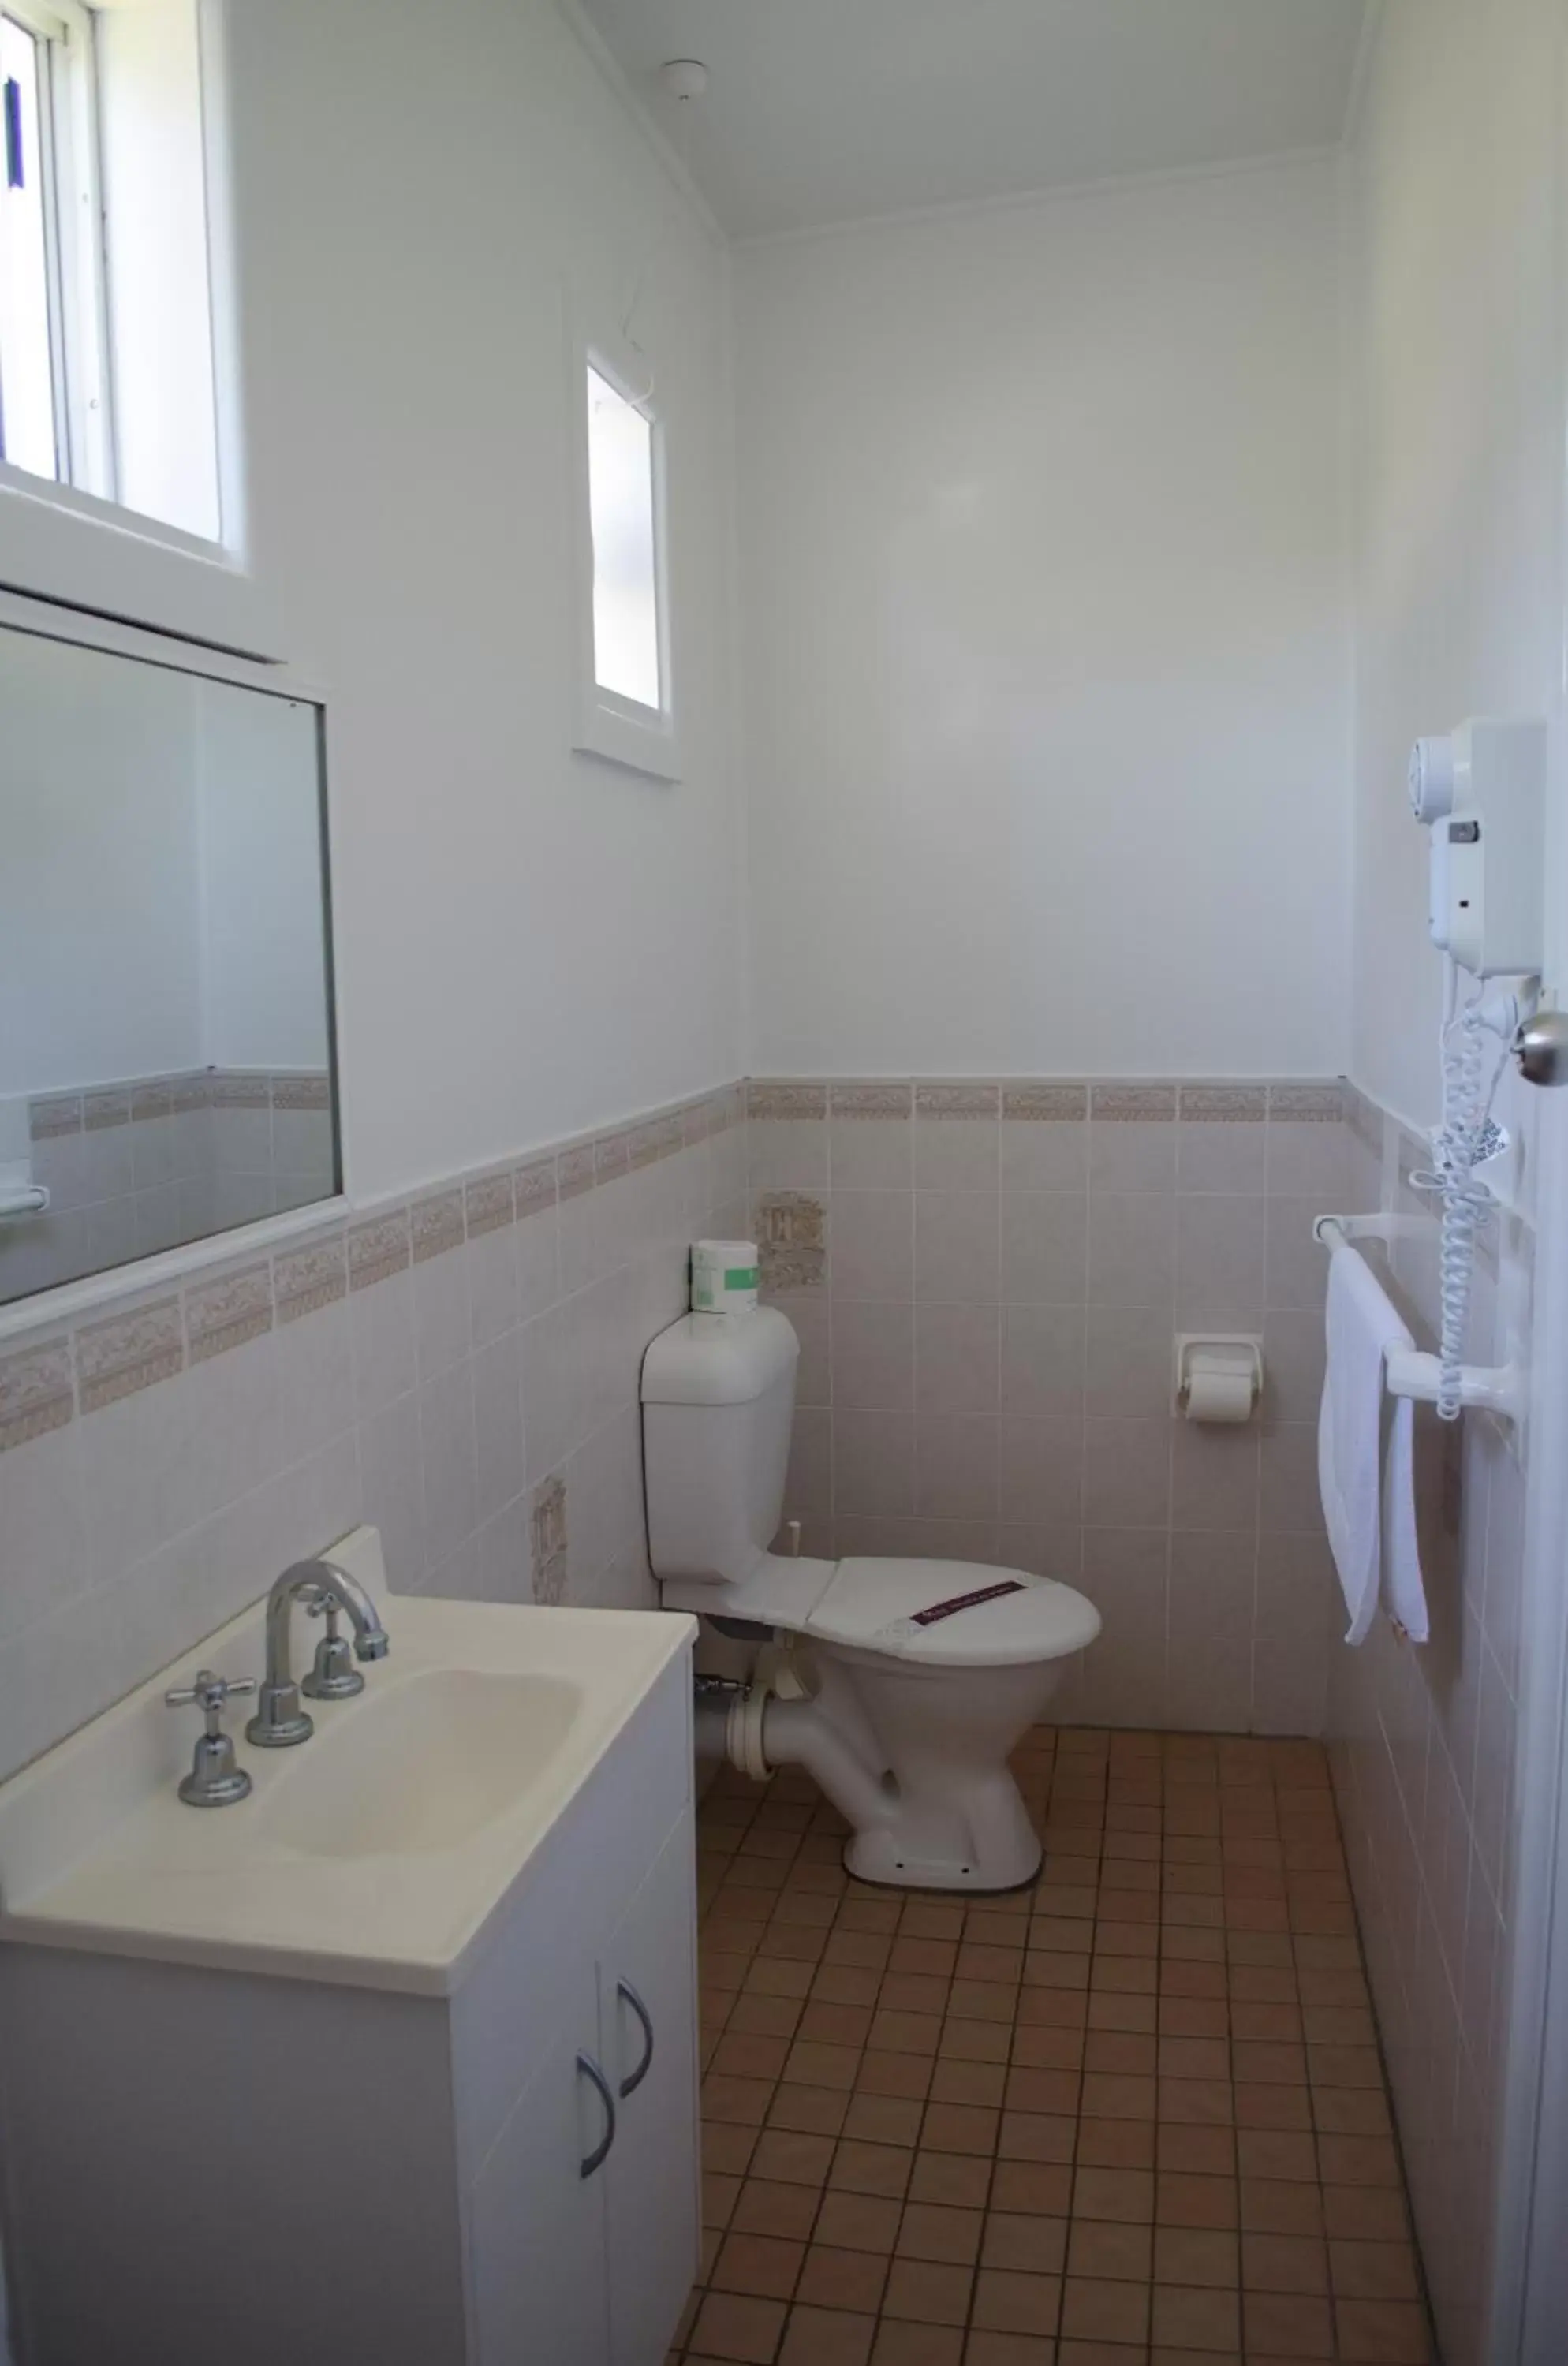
(165, 1021)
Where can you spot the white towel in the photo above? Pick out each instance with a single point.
(1370, 1510)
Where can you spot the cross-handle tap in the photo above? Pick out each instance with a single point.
(279, 1720)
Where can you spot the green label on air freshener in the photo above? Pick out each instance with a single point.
(740, 1277)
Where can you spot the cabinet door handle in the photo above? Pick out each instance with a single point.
(631, 2085)
(597, 2158)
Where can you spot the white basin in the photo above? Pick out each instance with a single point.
(372, 1854)
(424, 1765)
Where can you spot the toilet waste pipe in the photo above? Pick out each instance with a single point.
(757, 1732)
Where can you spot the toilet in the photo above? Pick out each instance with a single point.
(900, 1685)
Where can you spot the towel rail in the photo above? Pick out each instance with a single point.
(24, 1199)
(1491, 1387)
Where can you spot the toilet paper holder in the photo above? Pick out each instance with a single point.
(1204, 1355)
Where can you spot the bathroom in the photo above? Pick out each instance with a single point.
(1067, 455)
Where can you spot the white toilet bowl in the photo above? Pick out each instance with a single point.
(909, 1682)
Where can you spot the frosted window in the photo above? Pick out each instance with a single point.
(621, 507)
(27, 371)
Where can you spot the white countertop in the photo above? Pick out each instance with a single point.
(97, 1853)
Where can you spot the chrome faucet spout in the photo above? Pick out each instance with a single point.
(279, 1720)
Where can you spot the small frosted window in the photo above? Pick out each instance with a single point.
(26, 364)
(621, 506)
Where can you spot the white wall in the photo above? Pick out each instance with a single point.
(263, 971)
(1460, 408)
(529, 941)
(99, 943)
(1045, 636)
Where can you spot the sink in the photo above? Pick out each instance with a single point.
(423, 1764)
(378, 1852)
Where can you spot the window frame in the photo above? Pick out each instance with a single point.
(619, 730)
(75, 251)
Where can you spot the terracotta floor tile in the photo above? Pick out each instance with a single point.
(809, 2064)
(1128, 2012)
(907, 2075)
(1031, 2246)
(900, 2344)
(1007, 2301)
(844, 1984)
(935, 2230)
(1043, 2188)
(1351, 2111)
(857, 2222)
(824, 2337)
(1196, 2256)
(1197, 2147)
(1373, 2271)
(1095, 2309)
(1287, 2324)
(769, 1976)
(1049, 2049)
(812, 2110)
(883, 2119)
(1196, 2318)
(862, 2168)
(847, 2279)
(1053, 2008)
(1271, 2106)
(732, 2327)
(743, 2102)
(1358, 2160)
(960, 2128)
(835, 2024)
(957, 2081)
(1117, 2095)
(1028, 2135)
(975, 2041)
(1283, 2263)
(1184, 2199)
(719, 2195)
(1116, 2143)
(1102, 2248)
(762, 2207)
(1345, 2065)
(792, 2158)
(1381, 2332)
(765, 2264)
(929, 2292)
(984, 2348)
(1365, 2212)
(1278, 2206)
(1183, 2016)
(1119, 2052)
(1031, 2089)
(1123, 2195)
(726, 2147)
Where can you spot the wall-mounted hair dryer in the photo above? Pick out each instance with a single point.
(1481, 791)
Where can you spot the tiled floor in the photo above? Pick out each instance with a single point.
(1133, 2116)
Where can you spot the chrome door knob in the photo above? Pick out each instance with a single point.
(1540, 1048)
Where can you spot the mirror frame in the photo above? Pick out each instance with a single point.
(83, 629)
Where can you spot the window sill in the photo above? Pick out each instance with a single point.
(59, 544)
(638, 739)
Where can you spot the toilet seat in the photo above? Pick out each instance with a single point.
(870, 1605)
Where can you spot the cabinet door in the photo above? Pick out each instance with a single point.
(648, 1984)
(537, 2223)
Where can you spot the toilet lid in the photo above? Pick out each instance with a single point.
(952, 1614)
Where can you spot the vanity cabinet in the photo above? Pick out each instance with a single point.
(201, 2162)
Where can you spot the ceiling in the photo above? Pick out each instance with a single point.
(830, 110)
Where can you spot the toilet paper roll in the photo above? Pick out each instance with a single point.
(1219, 1396)
(724, 1277)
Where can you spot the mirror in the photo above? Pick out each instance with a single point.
(166, 1067)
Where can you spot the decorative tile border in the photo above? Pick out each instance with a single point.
(1041, 1104)
(958, 1100)
(1224, 1104)
(224, 1310)
(786, 1100)
(377, 1249)
(888, 1101)
(575, 1171)
(534, 1187)
(306, 1279)
(54, 1115)
(101, 1110)
(1307, 1104)
(302, 1092)
(35, 1392)
(488, 1205)
(1365, 1119)
(1129, 1104)
(131, 1351)
(548, 1537)
(436, 1224)
(612, 1156)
